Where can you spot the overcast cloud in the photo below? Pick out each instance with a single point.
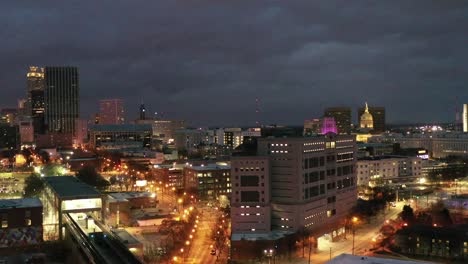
(206, 61)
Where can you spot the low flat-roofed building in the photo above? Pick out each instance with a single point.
(67, 194)
(386, 169)
(21, 222)
(118, 206)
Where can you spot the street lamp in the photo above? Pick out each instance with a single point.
(354, 221)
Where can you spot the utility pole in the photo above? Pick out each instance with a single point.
(330, 254)
(354, 232)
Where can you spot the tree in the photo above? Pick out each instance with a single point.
(407, 214)
(113, 180)
(89, 175)
(33, 185)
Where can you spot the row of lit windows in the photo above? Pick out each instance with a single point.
(344, 140)
(279, 145)
(314, 215)
(247, 206)
(313, 143)
(279, 151)
(313, 150)
(248, 214)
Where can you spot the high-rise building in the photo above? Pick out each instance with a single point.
(329, 126)
(8, 116)
(62, 102)
(9, 137)
(26, 131)
(378, 116)
(35, 83)
(342, 117)
(111, 112)
(465, 118)
(292, 183)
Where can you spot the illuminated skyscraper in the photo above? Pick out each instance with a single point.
(342, 116)
(62, 103)
(35, 104)
(111, 112)
(329, 126)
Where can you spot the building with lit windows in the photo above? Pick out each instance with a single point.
(120, 137)
(250, 201)
(111, 112)
(342, 116)
(308, 182)
(233, 137)
(35, 102)
(439, 145)
(163, 130)
(312, 126)
(26, 131)
(9, 137)
(212, 181)
(382, 170)
(68, 195)
(21, 222)
(8, 116)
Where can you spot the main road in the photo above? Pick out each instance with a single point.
(200, 251)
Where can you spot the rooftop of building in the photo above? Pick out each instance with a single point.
(20, 203)
(384, 157)
(273, 235)
(353, 259)
(70, 187)
(210, 167)
(122, 127)
(125, 196)
(300, 137)
(126, 237)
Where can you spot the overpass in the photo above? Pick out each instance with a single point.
(98, 247)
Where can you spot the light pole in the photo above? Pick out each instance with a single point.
(354, 221)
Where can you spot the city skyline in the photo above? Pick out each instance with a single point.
(407, 57)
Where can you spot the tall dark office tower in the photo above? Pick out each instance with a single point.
(342, 117)
(378, 115)
(62, 103)
(142, 112)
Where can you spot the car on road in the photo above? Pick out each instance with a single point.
(213, 252)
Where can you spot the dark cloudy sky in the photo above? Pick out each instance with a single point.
(206, 61)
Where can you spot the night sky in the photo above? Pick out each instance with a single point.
(207, 61)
